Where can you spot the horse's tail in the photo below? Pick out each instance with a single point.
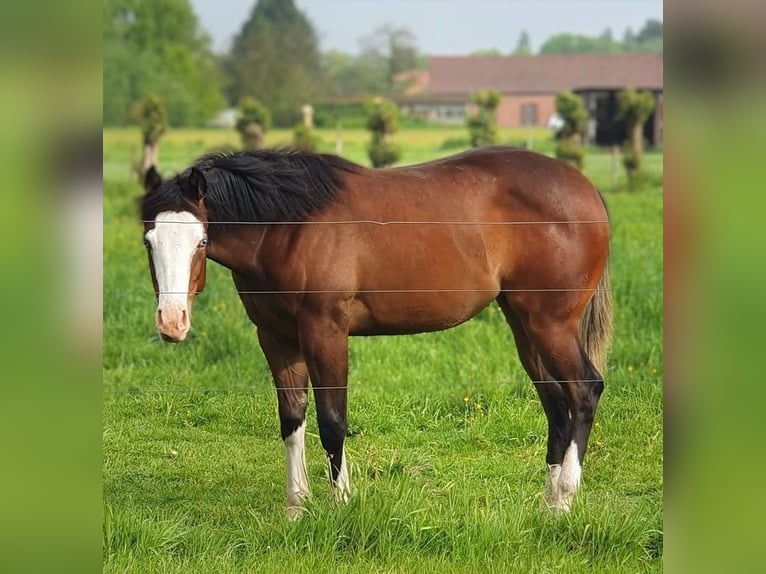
(596, 324)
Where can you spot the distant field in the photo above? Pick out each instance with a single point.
(447, 437)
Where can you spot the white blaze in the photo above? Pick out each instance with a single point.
(173, 240)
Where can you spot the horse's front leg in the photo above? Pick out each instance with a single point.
(291, 379)
(324, 342)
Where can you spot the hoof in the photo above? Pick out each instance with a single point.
(294, 513)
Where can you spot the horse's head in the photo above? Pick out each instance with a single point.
(175, 235)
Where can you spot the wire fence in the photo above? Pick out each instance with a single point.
(352, 387)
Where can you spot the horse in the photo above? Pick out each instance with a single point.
(321, 249)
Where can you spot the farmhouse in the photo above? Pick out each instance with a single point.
(529, 84)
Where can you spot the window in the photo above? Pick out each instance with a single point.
(528, 114)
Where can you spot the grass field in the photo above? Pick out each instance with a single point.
(446, 435)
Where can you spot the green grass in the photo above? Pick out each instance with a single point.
(447, 437)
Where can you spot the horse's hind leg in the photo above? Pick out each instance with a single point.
(291, 379)
(553, 399)
(562, 356)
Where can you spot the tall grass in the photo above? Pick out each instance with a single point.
(446, 435)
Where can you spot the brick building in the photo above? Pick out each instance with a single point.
(529, 84)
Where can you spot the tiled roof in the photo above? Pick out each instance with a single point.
(543, 73)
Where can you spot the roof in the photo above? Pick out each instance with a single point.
(547, 73)
(413, 82)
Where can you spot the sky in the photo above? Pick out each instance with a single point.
(442, 27)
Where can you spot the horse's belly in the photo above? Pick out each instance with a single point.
(408, 313)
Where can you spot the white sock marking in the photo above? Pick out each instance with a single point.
(551, 492)
(342, 484)
(569, 479)
(297, 477)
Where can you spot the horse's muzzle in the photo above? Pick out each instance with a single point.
(172, 324)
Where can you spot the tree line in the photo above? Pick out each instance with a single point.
(158, 48)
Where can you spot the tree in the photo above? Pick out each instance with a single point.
(275, 58)
(524, 45)
(635, 108)
(580, 44)
(253, 122)
(150, 116)
(629, 40)
(487, 52)
(571, 108)
(383, 122)
(390, 49)
(157, 47)
(652, 30)
(649, 38)
(482, 124)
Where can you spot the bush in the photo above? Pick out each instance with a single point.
(571, 108)
(253, 122)
(350, 116)
(304, 138)
(570, 150)
(382, 121)
(383, 154)
(455, 143)
(482, 124)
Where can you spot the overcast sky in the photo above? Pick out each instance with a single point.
(442, 26)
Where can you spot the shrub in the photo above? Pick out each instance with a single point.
(383, 122)
(482, 124)
(253, 122)
(571, 108)
(383, 154)
(570, 150)
(304, 138)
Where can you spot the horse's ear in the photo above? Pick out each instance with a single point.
(152, 179)
(197, 184)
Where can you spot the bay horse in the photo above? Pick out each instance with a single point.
(321, 249)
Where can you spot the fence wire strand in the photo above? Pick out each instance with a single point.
(384, 223)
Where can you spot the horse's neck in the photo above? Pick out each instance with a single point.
(238, 247)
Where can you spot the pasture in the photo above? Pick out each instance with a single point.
(446, 434)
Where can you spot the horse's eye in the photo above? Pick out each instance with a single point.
(203, 242)
(147, 244)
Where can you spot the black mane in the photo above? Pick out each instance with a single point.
(256, 186)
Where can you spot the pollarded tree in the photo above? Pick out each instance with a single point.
(482, 124)
(635, 108)
(383, 122)
(304, 137)
(253, 122)
(571, 109)
(150, 116)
